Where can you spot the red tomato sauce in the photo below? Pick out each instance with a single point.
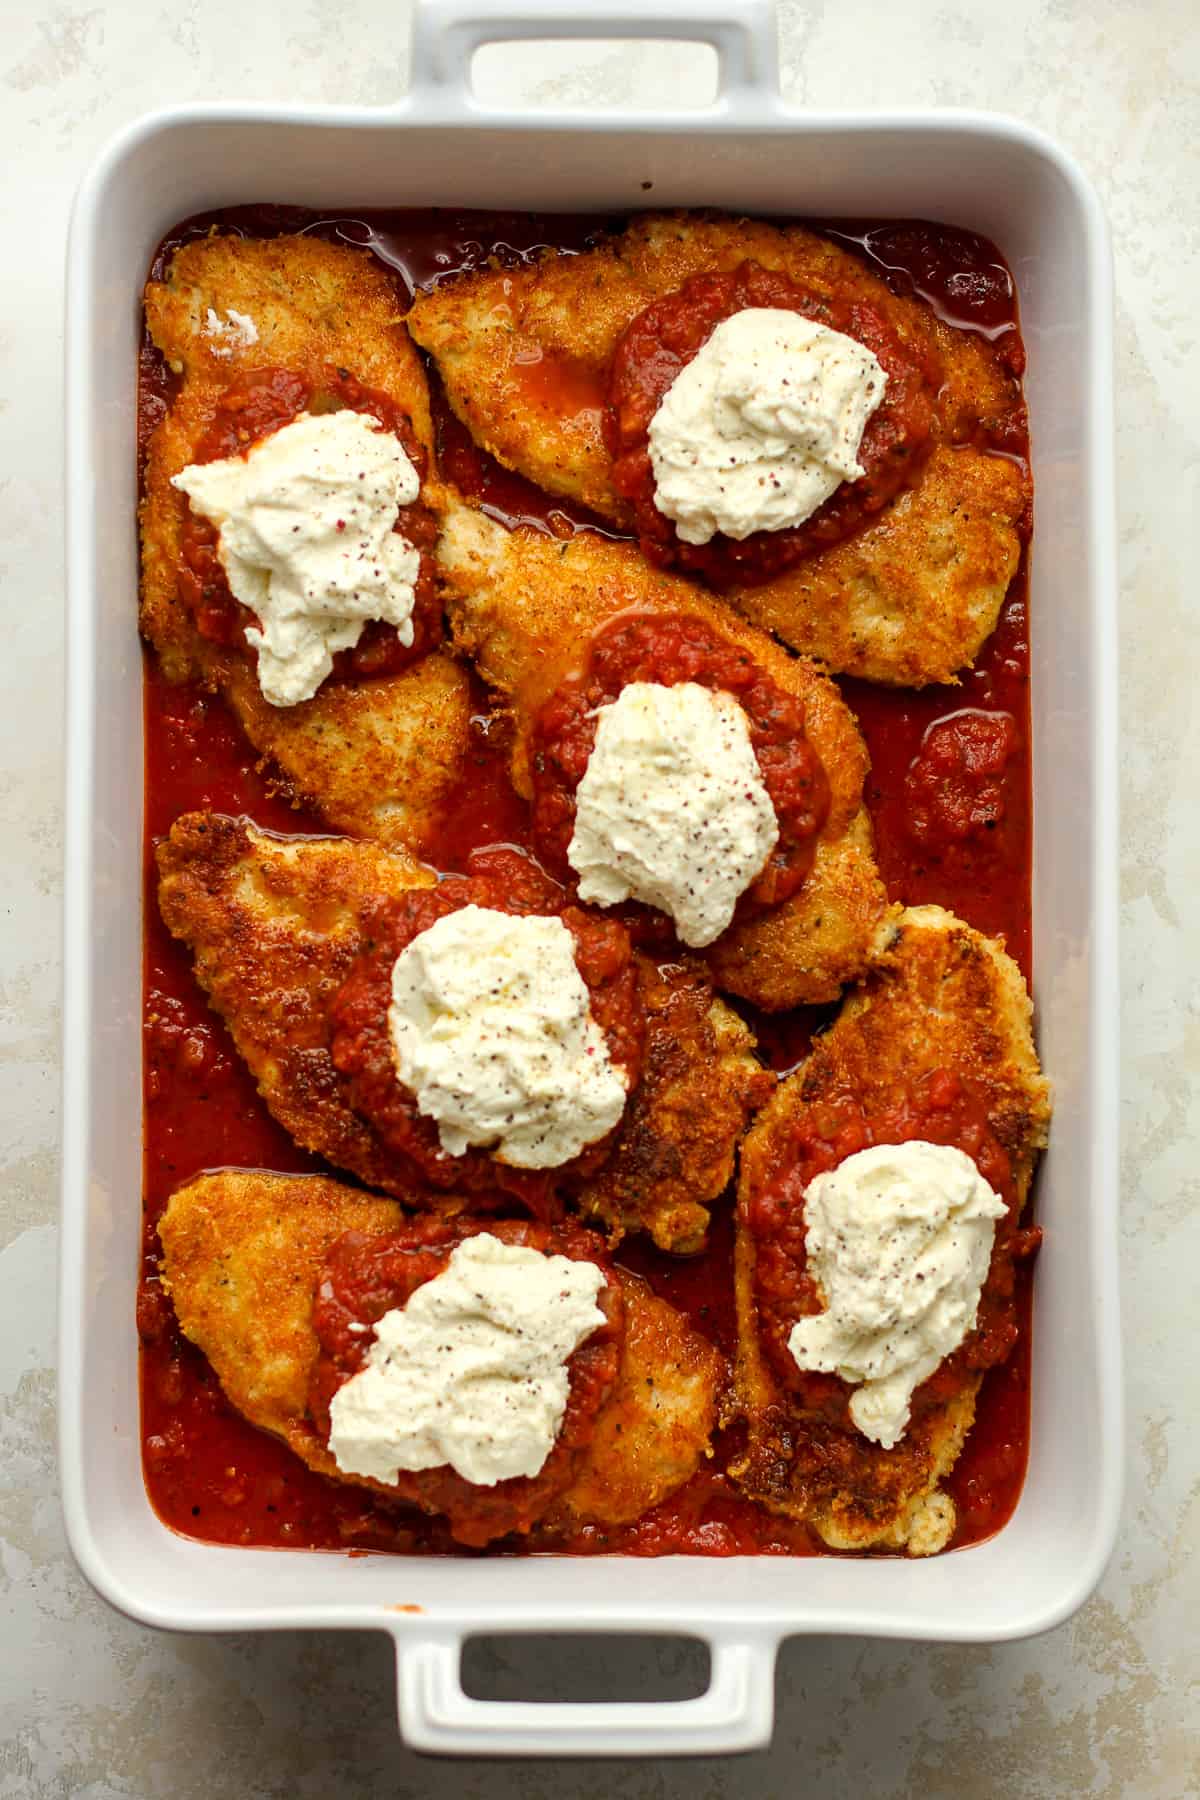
(251, 409)
(661, 341)
(208, 1473)
(939, 1109)
(503, 880)
(365, 1277)
(671, 650)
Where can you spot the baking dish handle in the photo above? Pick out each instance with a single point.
(735, 1713)
(447, 33)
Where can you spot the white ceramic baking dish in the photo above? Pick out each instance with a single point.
(749, 152)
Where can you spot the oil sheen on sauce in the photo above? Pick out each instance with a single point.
(208, 1473)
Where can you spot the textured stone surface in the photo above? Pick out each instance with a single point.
(95, 1707)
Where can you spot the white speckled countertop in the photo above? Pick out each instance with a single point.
(95, 1707)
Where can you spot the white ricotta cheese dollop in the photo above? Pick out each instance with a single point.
(899, 1238)
(762, 426)
(491, 1028)
(672, 809)
(305, 537)
(473, 1371)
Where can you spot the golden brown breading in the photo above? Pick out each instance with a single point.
(273, 925)
(656, 1427)
(523, 604)
(524, 355)
(377, 757)
(242, 1252)
(911, 599)
(699, 1086)
(942, 997)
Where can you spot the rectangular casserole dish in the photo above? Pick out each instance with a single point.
(746, 152)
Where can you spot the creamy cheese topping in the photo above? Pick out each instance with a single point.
(762, 426)
(306, 540)
(473, 1371)
(491, 1028)
(899, 1238)
(672, 809)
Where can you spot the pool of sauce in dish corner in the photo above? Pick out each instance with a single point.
(209, 1473)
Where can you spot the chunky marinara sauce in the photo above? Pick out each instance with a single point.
(663, 340)
(364, 1277)
(937, 1108)
(949, 796)
(504, 881)
(668, 649)
(250, 409)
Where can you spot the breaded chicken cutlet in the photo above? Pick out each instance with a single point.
(275, 925)
(376, 756)
(524, 606)
(910, 597)
(243, 1252)
(947, 1004)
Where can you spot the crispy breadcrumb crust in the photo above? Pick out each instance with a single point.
(524, 604)
(377, 757)
(910, 598)
(656, 1427)
(676, 1152)
(273, 925)
(941, 996)
(242, 1253)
